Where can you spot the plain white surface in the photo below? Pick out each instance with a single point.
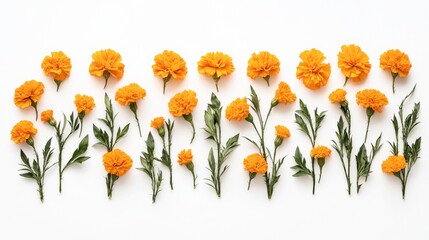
(140, 30)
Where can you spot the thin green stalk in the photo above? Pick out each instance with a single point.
(313, 175)
(367, 128)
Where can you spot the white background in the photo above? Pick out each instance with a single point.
(32, 29)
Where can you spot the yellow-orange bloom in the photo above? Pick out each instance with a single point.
(84, 103)
(353, 62)
(169, 64)
(284, 94)
(216, 64)
(371, 98)
(255, 163)
(313, 72)
(282, 131)
(396, 61)
(183, 103)
(58, 65)
(22, 131)
(117, 162)
(107, 63)
(129, 94)
(393, 164)
(263, 64)
(237, 110)
(28, 93)
(47, 115)
(320, 152)
(185, 157)
(338, 96)
(157, 122)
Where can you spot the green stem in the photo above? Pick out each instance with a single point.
(138, 122)
(194, 179)
(34, 105)
(218, 145)
(248, 184)
(106, 76)
(345, 82)
(313, 175)
(267, 79)
(393, 82)
(367, 128)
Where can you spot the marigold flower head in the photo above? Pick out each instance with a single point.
(320, 152)
(353, 62)
(157, 122)
(169, 64)
(216, 64)
(22, 131)
(393, 164)
(28, 93)
(107, 63)
(371, 98)
(58, 65)
(284, 94)
(47, 115)
(84, 103)
(313, 72)
(338, 96)
(237, 110)
(282, 131)
(255, 163)
(263, 64)
(117, 162)
(185, 157)
(396, 61)
(183, 103)
(129, 94)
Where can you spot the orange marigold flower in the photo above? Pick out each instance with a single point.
(263, 64)
(105, 63)
(117, 162)
(320, 152)
(185, 157)
(216, 65)
(84, 103)
(353, 62)
(284, 94)
(396, 61)
(47, 115)
(129, 94)
(157, 122)
(28, 93)
(282, 131)
(338, 96)
(183, 103)
(393, 164)
(255, 163)
(169, 64)
(22, 131)
(237, 110)
(58, 65)
(371, 98)
(313, 72)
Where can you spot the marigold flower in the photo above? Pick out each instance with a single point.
(47, 115)
(320, 152)
(58, 65)
(183, 103)
(393, 164)
(338, 96)
(313, 72)
(263, 64)
(129, 94)
(157, 122)
(84, 104)
(107, 63)
(353, 62)
(117, 162)
(168, 65)
(371, 98)
(185, 157)
(28, 94)
(397, 62)
(282, 131)
(255, 163)
(22, 131)
(237, 110)
(284, 94)
(216, 65)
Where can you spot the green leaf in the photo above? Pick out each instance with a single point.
(27, 175)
